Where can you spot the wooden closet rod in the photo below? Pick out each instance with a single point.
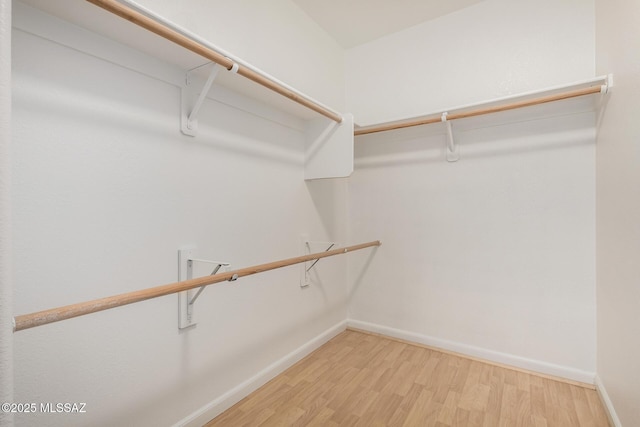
(479, 111)
(174, 36)
(26, 321)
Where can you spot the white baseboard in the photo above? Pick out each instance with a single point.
(604, 396)
(236, 394)
(478, 352)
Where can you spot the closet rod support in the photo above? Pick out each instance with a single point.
(605, 91)
(215, 270)
(187, 299)
(608, 84)
(189, 117)
(452, 148)
(316, 261)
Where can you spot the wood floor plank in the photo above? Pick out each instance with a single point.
(426, 373)
(538, 408)
(476, 418)
(474, 394)
(398, 418)
(285, 417)
(249, 419)
(358, 379)
(538, 421)
(461, 373)
(401, 380)
(381, 410)
(485, 375)
(396, 350)
(448, 411)
(442, 379)
(551, 403)
(509, 404)
(320, 420)
(350, 381)
(424, 412)
(567, 404)
(597, 409)
(523, 408)
(460, 418)
(523, 380)
(583, 411)
(346, 409)
(410, 398)
(365, 403)
(312, 372)
(494, 403)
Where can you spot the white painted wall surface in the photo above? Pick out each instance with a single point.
(618, 209)
(493, 255)
(106, 189)
(491, 49)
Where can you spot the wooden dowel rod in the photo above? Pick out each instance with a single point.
(480, 111)
(149, 24)
(26, 321)
(526, 103)
(396, 125)
(261, 80)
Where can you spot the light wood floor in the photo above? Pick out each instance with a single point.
(358, 379)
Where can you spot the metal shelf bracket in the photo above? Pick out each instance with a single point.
(305, 279)
(187, 299)
(605, 92)
(192, 99)
(452, 148)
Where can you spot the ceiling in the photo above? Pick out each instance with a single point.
(354, 22)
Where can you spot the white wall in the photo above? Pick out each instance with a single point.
(105, 191)
(493, 255)
(489, 50)
(618, 209)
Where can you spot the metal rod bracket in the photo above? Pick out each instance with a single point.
(605, 92)
(452, 148)
(192, 99)
(308, 266)
(187, 299)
